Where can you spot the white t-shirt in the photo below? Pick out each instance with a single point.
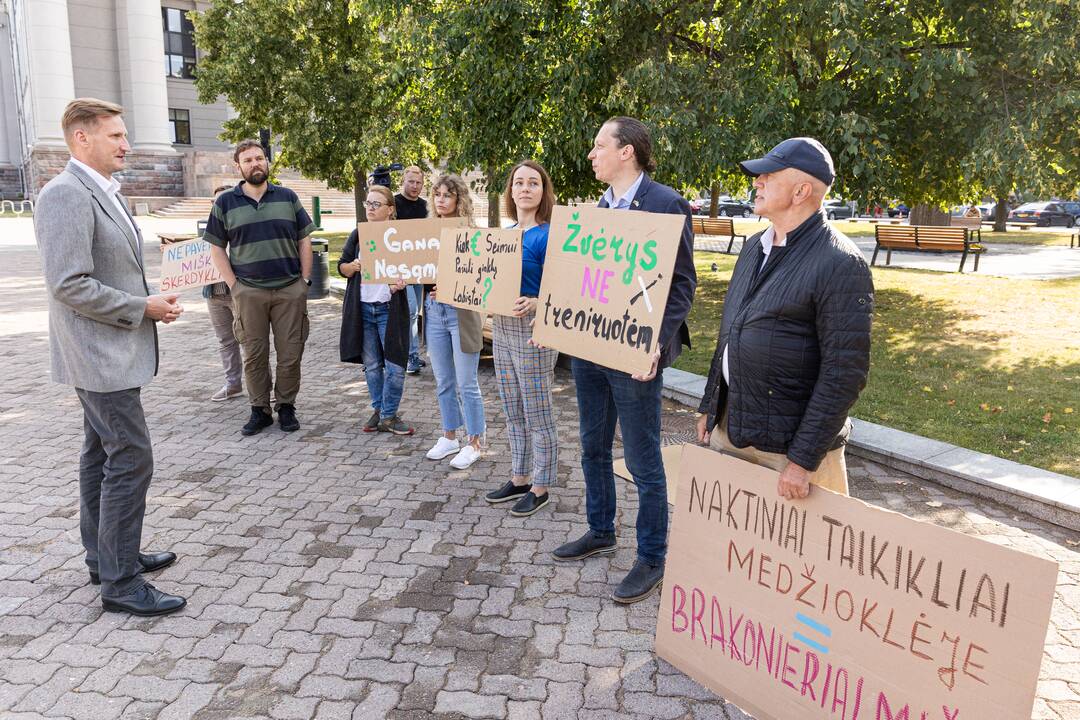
(374, 293)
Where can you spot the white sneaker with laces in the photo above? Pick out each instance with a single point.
(444, 447)
(465, 458)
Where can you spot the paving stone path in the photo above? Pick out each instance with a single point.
(335, 574)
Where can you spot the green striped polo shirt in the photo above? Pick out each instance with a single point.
(262, 237)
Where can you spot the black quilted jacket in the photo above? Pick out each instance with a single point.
(798, 337)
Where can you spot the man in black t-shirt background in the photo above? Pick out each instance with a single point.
(411, 206)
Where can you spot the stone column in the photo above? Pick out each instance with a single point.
(142, 75)
(52, 81)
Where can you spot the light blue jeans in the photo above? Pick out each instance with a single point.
(456, 384)
(415, 294)
(385, 380)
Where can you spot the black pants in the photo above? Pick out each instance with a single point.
(114, 475)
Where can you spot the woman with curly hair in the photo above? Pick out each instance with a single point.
(454, 341)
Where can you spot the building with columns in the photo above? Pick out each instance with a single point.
(137, 53)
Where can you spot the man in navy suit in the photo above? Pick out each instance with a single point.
(622, 158)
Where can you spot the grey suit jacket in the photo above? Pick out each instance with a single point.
(99, 337)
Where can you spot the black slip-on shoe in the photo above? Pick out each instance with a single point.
(641, 582)
(509, 491)
(287, 418)
(147, 601)
(529, 503)
(585, 546)
(148, 562)
(259, 419)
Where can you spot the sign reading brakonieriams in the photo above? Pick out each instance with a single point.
(406, 250)
(186, 265)
(831, 608)
(480, 269)
(606, 279)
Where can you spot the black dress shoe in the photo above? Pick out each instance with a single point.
(259, 419)
(287, 418)
(509, 491)
(529, 503)
(641, 582)
(149, 562)
(585, 546)
(146, 601)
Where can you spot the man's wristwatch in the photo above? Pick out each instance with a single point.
(307, 281)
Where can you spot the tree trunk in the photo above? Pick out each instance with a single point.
(494, 214)
(924, 214)
(1001, 214)
(714, 199)
(360, 193)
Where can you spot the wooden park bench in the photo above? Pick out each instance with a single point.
(723, 227)
(925, 238)
(973, 224)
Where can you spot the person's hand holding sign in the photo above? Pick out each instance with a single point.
(399, 285)
(524, 306)
(652, 372)
(794, 482)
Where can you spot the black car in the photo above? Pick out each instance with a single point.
(727, 206)
(901, 211)
(1073, 208)
(1043, 214)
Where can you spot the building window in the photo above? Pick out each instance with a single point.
(179, 43)
(181, 126)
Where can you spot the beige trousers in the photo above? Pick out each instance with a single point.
(831, 473)
(258, 311)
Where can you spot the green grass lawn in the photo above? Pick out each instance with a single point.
(1058, 236)
(991, 364)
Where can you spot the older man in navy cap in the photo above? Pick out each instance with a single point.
(794, 346)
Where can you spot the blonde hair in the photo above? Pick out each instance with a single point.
(86, 113)
(412, 169)
(457, 187)
(387, 195)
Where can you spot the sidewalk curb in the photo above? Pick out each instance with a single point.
(1044, 494)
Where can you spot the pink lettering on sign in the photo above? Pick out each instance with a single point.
(596, 286)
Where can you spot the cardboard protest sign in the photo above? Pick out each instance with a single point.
(187, 265)
(606, 279)
(480, 269)
(831, 608)
(406, 250)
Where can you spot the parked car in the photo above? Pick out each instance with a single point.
(900, 211)
(838, 209)
(1043, 214)
(1073, 208)
(726, 206)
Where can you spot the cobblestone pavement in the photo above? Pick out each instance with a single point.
(335, 574)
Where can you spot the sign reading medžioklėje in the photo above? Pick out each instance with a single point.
(831, 608)
(480, 269)
(187, 265)
(406, 250)
(606, 279)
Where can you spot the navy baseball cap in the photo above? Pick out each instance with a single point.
(801, 153)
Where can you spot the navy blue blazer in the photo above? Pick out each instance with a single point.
(654, 197)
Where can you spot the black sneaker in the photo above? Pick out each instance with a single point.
(287, 418)
(585, 546)
(372, 425)
(509, 491)
(259, 419)
(529, 503)
(395, 425)
(641, 582)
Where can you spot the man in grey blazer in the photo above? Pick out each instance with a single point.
(103, 341)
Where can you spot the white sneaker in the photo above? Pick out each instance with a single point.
(465, 458)
(443, 448)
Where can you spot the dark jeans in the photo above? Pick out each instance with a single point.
(114, 474)
(604, 396)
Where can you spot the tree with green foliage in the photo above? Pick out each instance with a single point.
(336, 81)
